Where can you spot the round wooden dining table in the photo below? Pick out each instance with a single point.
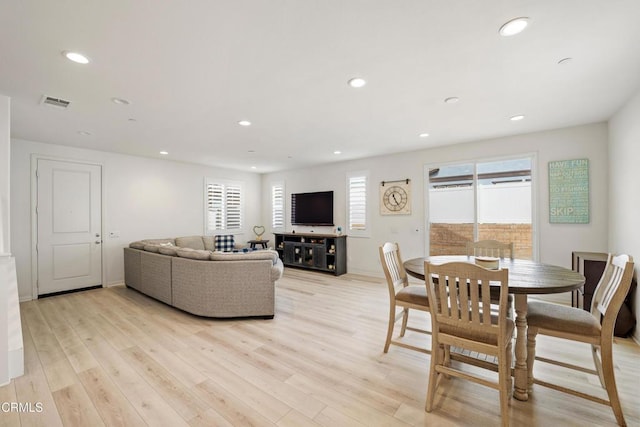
(526, 277)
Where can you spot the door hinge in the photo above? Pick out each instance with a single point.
(36, 209)
(36, 247)
(37, 174)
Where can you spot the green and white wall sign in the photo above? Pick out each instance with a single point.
(569, 192)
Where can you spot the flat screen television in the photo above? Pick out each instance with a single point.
(312, 208)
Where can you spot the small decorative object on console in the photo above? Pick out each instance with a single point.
(259, 231)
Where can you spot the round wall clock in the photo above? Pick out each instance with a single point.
(395, 198)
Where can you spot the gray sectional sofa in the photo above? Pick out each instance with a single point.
(187, 273)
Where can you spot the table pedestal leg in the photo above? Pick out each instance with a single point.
(520, 369)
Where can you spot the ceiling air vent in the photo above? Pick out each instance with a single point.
(55, 102)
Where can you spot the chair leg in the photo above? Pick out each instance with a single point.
(610, 381)
(392, 321)
(531, 354)
(508, 378)
(405, 318)
(504, 378)
(598, 364)
(437, 354)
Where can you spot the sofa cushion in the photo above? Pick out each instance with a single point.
(168, 250)
(243, 256)
(224, 242)
(209, 244)
(159, 241)
(149, 247)
(193, 242)
(193, 253)
(137, 245)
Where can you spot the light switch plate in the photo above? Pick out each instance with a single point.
(114, 234)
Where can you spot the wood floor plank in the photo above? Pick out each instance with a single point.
(208, 419)
(115, 356)
(178, 396)
(232, 408)
(75, 407)
(9, 416)
(32, 387)
(296, 419)
(240, 366)
(113, 407)
(147, 402)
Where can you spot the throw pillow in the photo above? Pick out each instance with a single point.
(224, 243)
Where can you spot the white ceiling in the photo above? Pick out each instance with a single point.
(192, 69)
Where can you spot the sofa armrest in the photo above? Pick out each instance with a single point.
(223, 288)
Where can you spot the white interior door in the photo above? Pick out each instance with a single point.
(69, 226)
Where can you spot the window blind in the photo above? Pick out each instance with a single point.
(224, 207)
(358, 203)
(277, 206)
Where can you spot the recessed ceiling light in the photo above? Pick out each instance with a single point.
(452, 100)
(164, 153)
(120, 101)
(565, 61)
(254, 167)
(84, 133)
(424, 135)
(244, 123)
(516, 118)
(357, 82)
(337, 152)
(76, 57)
(514, 26)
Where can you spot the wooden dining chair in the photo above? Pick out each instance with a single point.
(402, 295)
(496, 249)
(461, 317)
(490, 248)
(595, 327)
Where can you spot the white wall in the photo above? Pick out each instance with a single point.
(624, 154)
(5, 157)
(4, 239)
(556, 241)
(142, 198)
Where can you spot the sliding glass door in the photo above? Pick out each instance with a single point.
(480, 201)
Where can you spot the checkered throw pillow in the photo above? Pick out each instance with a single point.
(224, 243)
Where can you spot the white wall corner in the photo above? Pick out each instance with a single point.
(13, 366)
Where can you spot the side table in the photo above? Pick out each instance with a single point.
(253, 243)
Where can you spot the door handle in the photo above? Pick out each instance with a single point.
(98, 242)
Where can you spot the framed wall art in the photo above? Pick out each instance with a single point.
(395, 197)
(569, 191)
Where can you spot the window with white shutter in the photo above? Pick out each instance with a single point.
(357, 205)
(277, 206)
(223, 206)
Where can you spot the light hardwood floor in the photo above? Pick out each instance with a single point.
(116, 357)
